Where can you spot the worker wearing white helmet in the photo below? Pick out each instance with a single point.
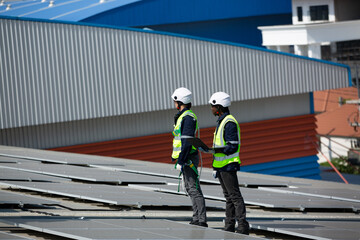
(186, 155)
(221, 99)
(182, 95)
(226, 162)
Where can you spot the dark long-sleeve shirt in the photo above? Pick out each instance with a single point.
(188, 127)
(230, 135)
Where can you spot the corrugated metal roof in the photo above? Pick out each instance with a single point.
(56, 72)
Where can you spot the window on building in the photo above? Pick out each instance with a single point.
(299, 14)
(319, 12)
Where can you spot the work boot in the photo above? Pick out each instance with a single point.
(194, 222)
(229, 228)
(243, 229)
(203, 224)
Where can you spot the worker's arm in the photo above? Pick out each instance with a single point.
(188, 127)
(231, 138)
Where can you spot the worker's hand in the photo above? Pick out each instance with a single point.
(179, 167)
(215, 174)
(173, 159)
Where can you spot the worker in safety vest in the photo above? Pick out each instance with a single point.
(226, 162)
(186, 155)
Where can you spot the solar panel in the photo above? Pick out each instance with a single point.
(133, 166)
(117, 195)
(333, 193)
(312, 229)
(17, 175)
(7, 160)
(262, 198)
(7, 198)
(59, 157)
(167, 170)
(115, 228)
(83, 173)
(8, 236)
(273, 193)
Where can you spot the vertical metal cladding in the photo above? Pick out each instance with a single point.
(55, 72)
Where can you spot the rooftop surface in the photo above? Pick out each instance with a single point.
(91, 197)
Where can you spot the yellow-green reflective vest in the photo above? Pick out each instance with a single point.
(220, 159)
(177, 134)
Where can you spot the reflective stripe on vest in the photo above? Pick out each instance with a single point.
(177, 133)
(220, 159)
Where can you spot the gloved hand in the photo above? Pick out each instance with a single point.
(215, 174)
(179, 167)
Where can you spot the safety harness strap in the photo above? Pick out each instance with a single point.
(192, 166)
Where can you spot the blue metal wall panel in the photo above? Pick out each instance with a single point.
(304, 167)
(156, 12)
(145, 12)
(311, 96)
(226, 21)
(239, 30)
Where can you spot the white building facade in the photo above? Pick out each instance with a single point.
(322, 29)
(316, 23)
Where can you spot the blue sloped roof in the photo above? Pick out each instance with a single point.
(68, 10)
(144, 12)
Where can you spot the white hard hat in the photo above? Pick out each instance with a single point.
(220, 98)
(182, 95)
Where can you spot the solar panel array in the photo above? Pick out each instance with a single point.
(83, 228)
(21, 199)
(34, 177)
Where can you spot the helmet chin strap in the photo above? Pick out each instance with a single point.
(217, 112)
(178, 105)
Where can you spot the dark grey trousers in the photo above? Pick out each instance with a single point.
(192, 186)
(235, 206)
